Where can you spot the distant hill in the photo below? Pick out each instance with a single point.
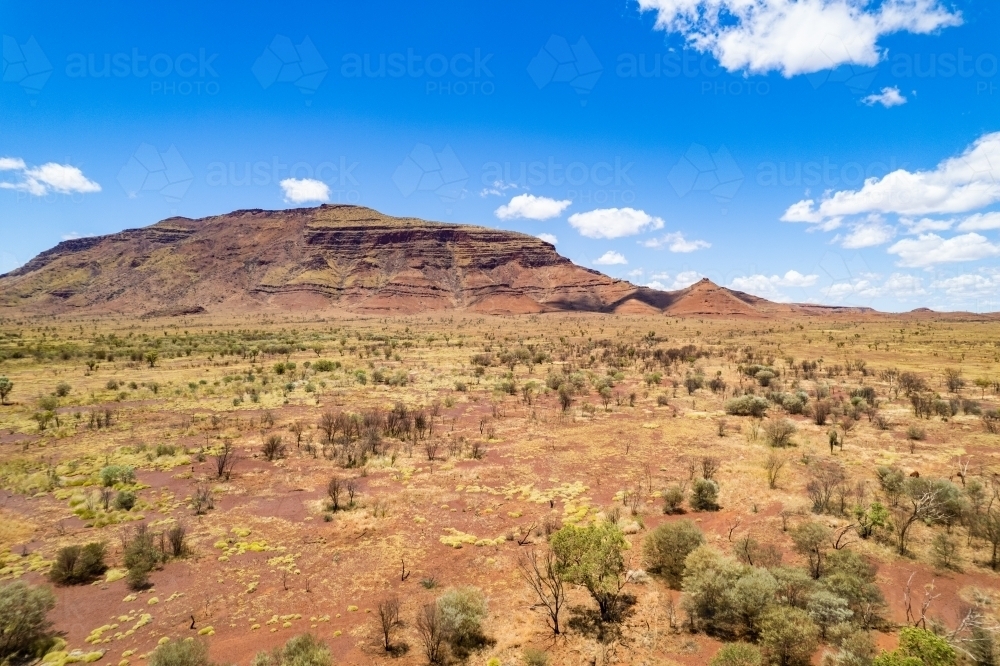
(345, 258)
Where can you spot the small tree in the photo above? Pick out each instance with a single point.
(152, 357)
(334, 490)
(542, 576)
(225, 461)
(388, 617)
(140, 558)
(592, 558)
(6, 386)
(788, 636)
(673, 498)
(666, 548)
(463, 610)
(24, 626)
(772, 466)
(811, 541)
(432, 633)
(704, 495)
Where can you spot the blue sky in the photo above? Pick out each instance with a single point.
(656, 145)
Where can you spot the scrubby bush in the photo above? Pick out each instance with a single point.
(302, 650)
(140, 558)
(666, 548)
(25, 631)
(737, 654)
(919, 647)
(180, 653)
(6, 386)
(125, 500)
(78, 564)
(115, 474)
(747, 405)
(779, 432)
(591, 557)
(788, 636)
(325, 366)
(463, 610)
(673, 497)
(704, 495)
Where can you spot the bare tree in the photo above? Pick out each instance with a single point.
(923, 503)
(773, 466)
(388, 616)
(352, 489)
(225, 461)
(274, 447)
(709, 467)
(543, 578)
(335, 489)
(432, 632)
(297, 429)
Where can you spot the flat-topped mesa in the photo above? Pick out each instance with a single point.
(346, 258)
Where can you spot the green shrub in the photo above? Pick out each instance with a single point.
(141, 557)
(113, 474)
(673, 497)
(788, 636)
(63, 389)
(737, 654)
(666, 548)
(78, 564)
(325, 366)
(180, 653)
(463, 610)
(302, 650)
(535, 657)
(125, 500)
(591, 557)
(747, 405)
(704, 495)
(25, 631)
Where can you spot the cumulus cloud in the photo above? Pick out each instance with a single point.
(682, 280)
(898, 285)
(614, 222)
(930, 249)
(795, 36)
(50, 177)
(675, 242)
(548, 238)
(926, 224)
(611, 258)
(888, 97)
(304, 190)
(530, 207)
(868, 234)
(768, 287)
(957, 185)
(986, 283)
(980, 222)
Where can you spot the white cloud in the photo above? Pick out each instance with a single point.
(548, 238)
(980, 222)
(73, 235)
(889, 97)
(675, 242)
(50, 177)
(970, 285)
(926, 224)
(530, 207)
(767, 287)
(868, 234)
(304, 190)
(636, 272)
(957, 185)
(497, 189)
(614, 222)
(795, 36)
(929, 249)
(11, 164)
(611, 258)
(682, 280)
